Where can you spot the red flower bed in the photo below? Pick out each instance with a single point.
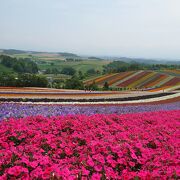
(143, 145)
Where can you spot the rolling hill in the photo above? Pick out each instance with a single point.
(44, 55)
(23, 53)
(139, 80)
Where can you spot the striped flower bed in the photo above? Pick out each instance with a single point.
(133, 79)
(109, 79)
(120, 77)
(173, 82)
(99, 79)
(18, 110)
(138, 79)
(141, 80)
(150, 80)
(159, 79)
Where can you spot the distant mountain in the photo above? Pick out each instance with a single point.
(64, 54)
(71, 55)
(144, 60)
(94, 58)
(15, 52)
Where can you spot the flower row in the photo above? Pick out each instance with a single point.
(8, 110)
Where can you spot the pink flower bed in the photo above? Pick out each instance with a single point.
(131, 146)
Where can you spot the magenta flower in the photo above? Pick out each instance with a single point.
(129, 146)
(96, 176)
(90, 162)
(17, 170)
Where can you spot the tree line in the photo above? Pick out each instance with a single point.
(19, 65)
(23, 80)
(120, 66)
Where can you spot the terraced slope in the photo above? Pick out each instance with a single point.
(174, 81)
(133, 79)
(139, 80)
(148, 83)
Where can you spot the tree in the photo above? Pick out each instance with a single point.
(7, 79)
(81, 75)
(74, 83)
(93, 86)
(31, 80)
(106, 86)
(19, 65)
(48, 71)
(68, 71)
(91, 71)
(55, 71)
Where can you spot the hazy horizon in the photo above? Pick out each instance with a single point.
(121, 28)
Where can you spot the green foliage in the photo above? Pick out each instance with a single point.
(72, 59)
(163, 66)
(23, 80)
(31, 80)
(58, 83)
(120, 66)
(7, 79)
(68, 54)
(115, 66)
(19, 65)
(91, 71)
(93, 87)
(83, 65)
(74, 83)
(5, 69)
(52, 71)
(106, 86)
(68, 71)
(81, 75)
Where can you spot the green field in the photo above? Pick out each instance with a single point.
(77, 65)
(44, 62)
(54, 61)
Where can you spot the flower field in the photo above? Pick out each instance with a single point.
(139, 79)
(155, 80)
(8, 110)
(125, 140)
(128, 146)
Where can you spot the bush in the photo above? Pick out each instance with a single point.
(19, 65)
(68, 71)
(74, 83)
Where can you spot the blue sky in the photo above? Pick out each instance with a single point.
(133, 28)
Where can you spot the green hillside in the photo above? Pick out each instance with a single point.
(4, 69)
(83, 65)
